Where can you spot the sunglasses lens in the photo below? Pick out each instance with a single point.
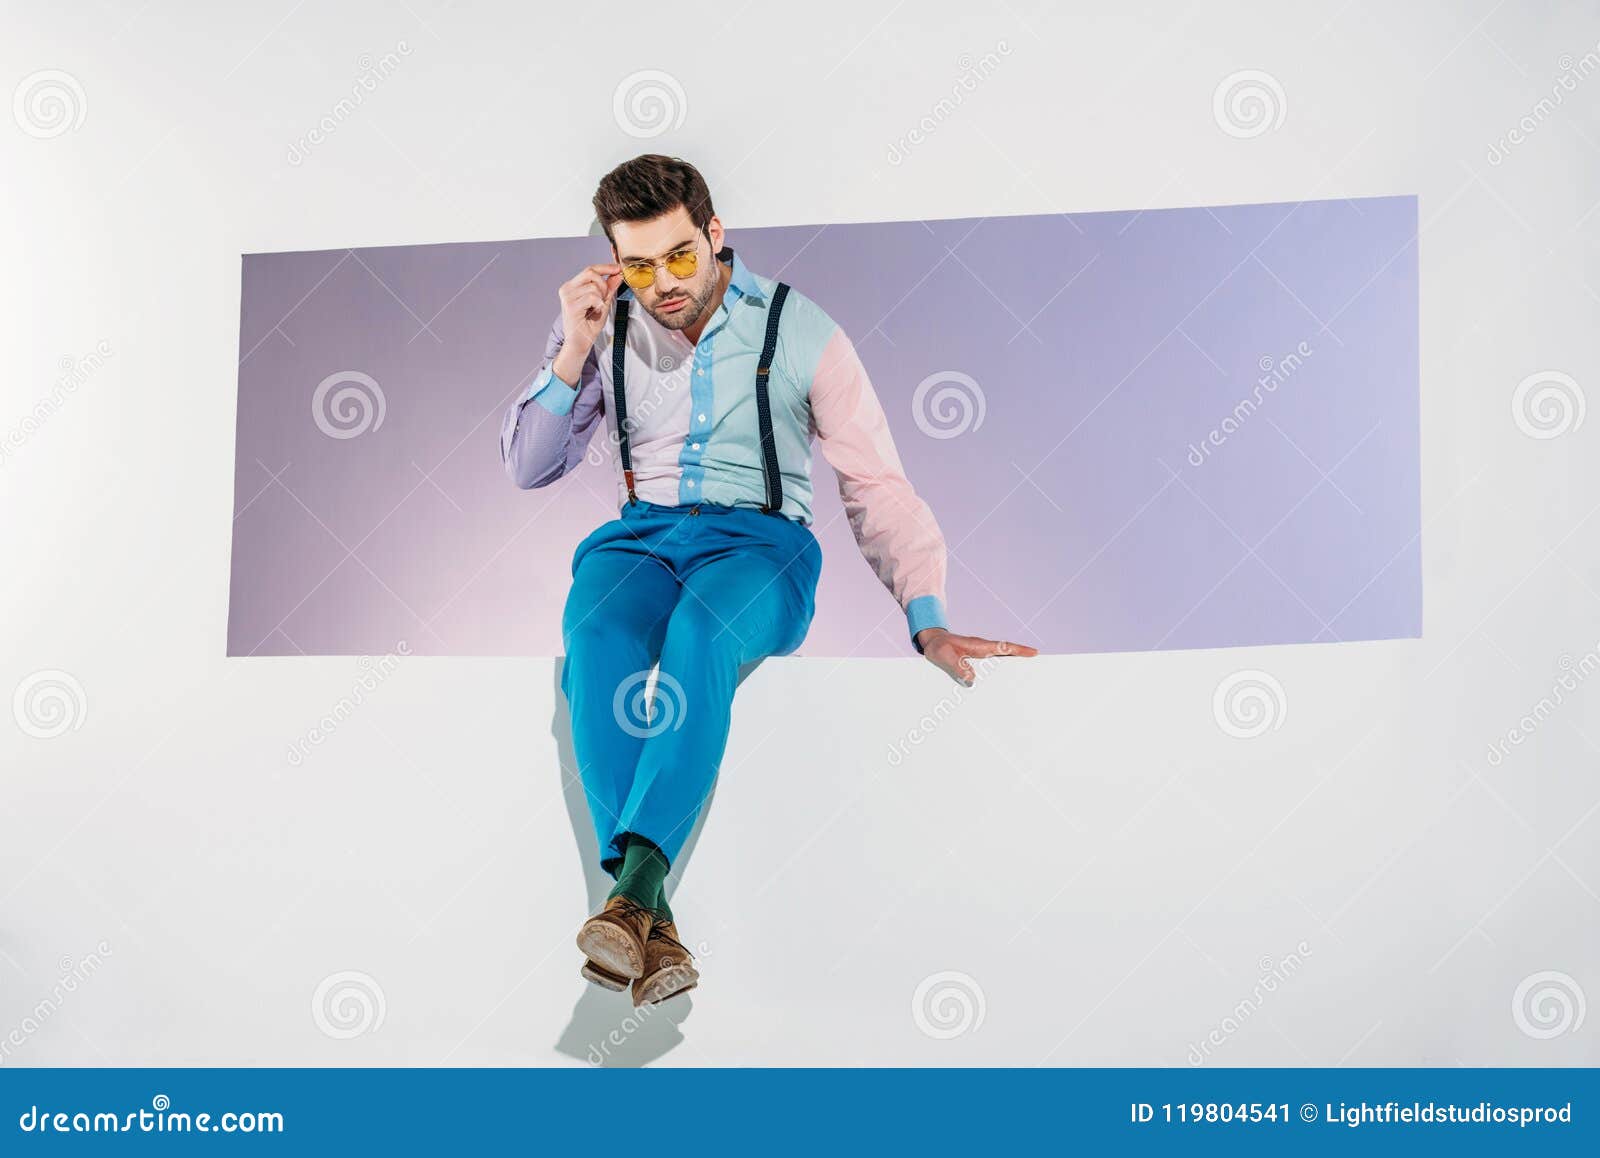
(643, 275)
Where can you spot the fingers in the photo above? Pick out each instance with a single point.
(584, 295)
(600, 274)
(983, 648)
(600, 277)
(588, 295)
(954, 664)
(589, 307)
(586, 282)
(953, 655)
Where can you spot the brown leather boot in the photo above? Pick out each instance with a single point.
(668, 967)
(614, 937)
(602, 977)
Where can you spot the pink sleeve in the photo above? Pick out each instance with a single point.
(894, 527)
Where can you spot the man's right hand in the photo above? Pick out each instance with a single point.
(584, 303)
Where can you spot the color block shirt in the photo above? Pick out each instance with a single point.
(693, 434)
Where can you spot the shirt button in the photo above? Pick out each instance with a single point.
(690, 483)
(702, 373)
(695, 446)
(702, 418)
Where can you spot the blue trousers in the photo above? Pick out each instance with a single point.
(699, 591)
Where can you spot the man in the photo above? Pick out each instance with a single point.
(712, 381)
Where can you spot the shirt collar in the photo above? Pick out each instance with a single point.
(743, 282)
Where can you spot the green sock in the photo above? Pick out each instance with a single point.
(643, 873)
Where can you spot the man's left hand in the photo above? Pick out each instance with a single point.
(953, 654)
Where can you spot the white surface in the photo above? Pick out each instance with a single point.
(1106, 864)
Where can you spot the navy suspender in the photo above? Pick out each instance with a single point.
(619, 409)
(769, 443)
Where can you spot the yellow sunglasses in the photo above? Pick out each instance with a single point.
(642, 274)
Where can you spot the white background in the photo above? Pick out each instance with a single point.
(1078, 837)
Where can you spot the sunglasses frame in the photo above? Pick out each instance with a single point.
(693, 259)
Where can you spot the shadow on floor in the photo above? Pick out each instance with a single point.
(605, 1029)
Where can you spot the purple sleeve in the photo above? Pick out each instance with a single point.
(547, 429)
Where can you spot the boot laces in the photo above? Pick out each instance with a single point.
(632, 908)
(659, 933)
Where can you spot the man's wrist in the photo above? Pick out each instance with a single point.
(925, 613)
(568, 366)
(552, 392)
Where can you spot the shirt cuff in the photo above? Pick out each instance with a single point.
(922, 612)
(553, 393)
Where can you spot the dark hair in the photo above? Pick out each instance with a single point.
(648, 186)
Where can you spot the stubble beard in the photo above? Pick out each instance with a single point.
(690, 314)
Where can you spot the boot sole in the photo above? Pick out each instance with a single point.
(664, 985)
(598, 976)
(611, 948)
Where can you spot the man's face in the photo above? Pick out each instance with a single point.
(677, 303)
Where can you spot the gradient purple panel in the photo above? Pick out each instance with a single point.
(1104, 349)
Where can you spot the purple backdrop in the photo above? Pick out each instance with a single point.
(1166, 429)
